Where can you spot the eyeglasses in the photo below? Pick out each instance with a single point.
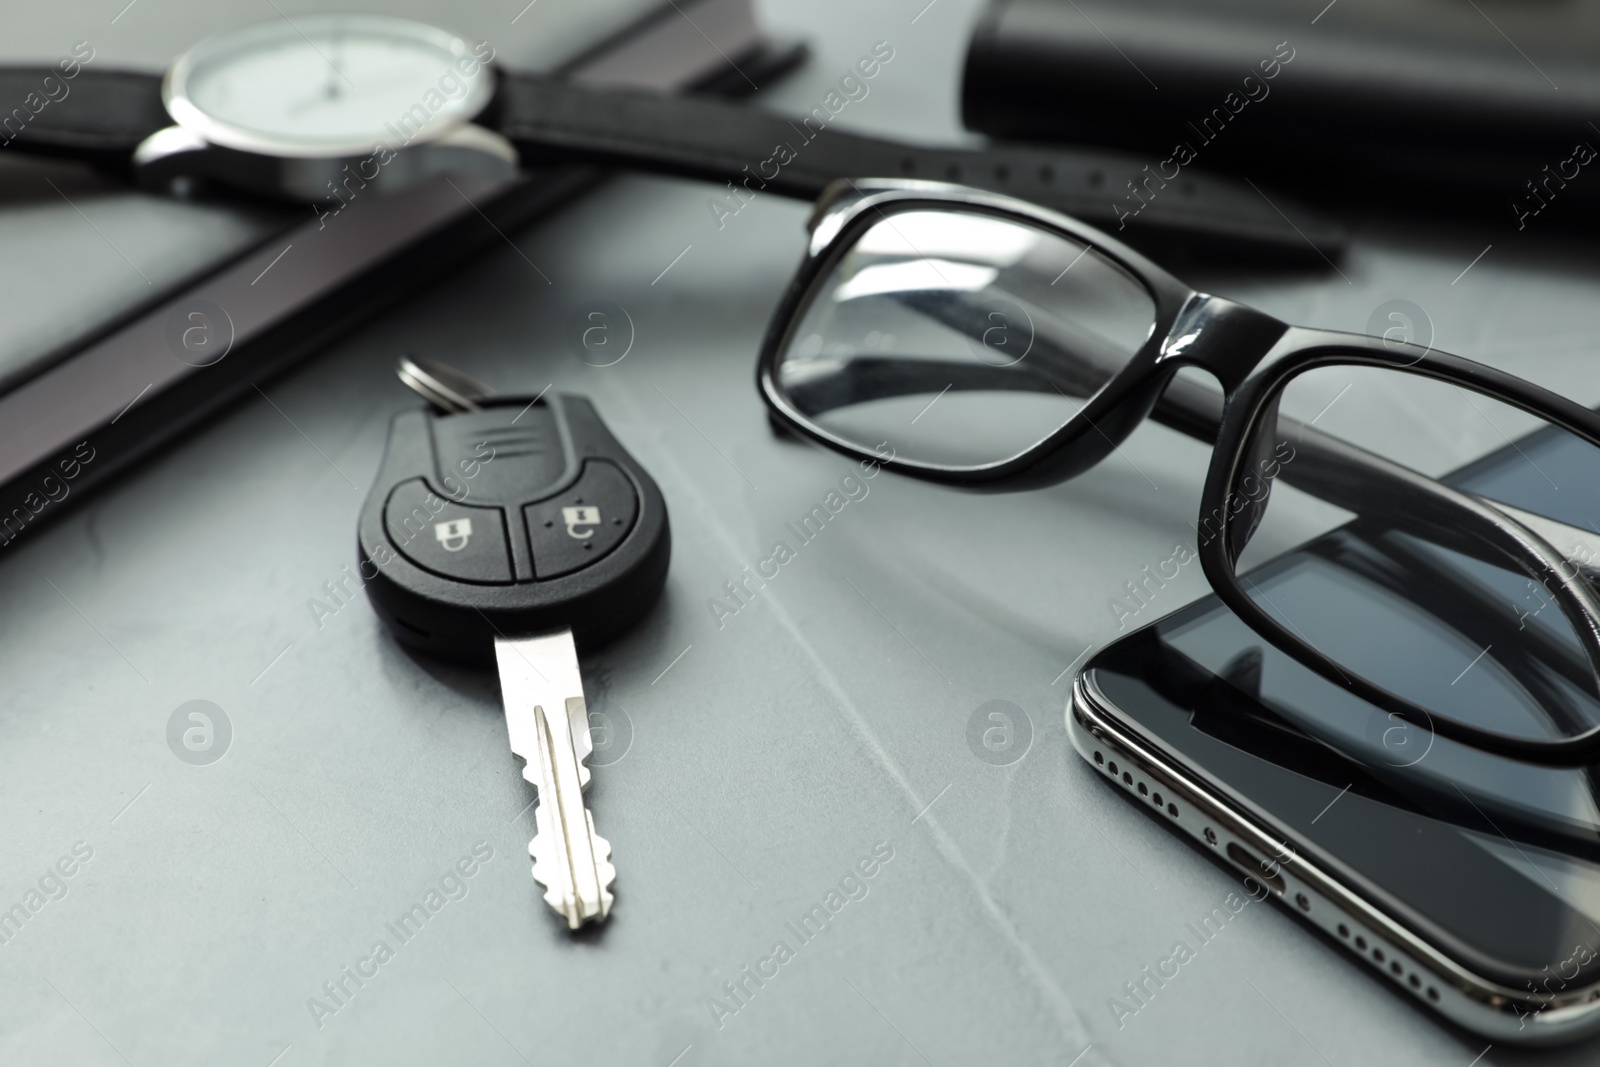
(976, 340)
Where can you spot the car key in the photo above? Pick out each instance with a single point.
(515, 530)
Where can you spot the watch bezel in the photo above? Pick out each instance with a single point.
(191, 116)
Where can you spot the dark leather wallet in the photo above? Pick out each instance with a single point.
(1488, 104)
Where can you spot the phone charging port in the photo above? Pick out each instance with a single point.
(1257, 868)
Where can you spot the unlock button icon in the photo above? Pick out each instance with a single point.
(577, 529)
(580, 521)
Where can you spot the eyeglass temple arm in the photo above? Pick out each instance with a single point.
(1325, 465)
(1343, 474)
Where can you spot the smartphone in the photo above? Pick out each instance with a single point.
(1465, 880)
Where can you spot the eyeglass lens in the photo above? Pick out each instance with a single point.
(960, 339)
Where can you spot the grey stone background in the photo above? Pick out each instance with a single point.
(766, 756)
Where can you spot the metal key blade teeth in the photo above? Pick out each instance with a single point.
(560, 894)
(605, 873)
(582, 739)
(573, 865)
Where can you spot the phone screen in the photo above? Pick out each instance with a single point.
(1494, 861)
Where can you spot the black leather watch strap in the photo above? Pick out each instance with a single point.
(702, 137)
(96, 115)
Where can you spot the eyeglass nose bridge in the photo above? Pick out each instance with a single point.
(1223, 338)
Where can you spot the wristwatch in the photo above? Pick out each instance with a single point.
(328, 107)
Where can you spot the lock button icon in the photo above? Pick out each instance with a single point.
(468, 544)
(454, 534)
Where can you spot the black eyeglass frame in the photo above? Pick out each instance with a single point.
(1230, 342)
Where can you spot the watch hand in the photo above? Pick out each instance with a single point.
(329, 94)
(333, 67)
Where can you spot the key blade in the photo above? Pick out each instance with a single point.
(548, 725)
(441, 385)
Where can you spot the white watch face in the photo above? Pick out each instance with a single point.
(325, 86)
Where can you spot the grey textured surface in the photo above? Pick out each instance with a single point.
(767, 755)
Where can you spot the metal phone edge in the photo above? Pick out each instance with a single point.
(1314, 896)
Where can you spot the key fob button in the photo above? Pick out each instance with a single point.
(449, 539)
(574, 529)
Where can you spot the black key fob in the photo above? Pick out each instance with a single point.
(523, 517)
